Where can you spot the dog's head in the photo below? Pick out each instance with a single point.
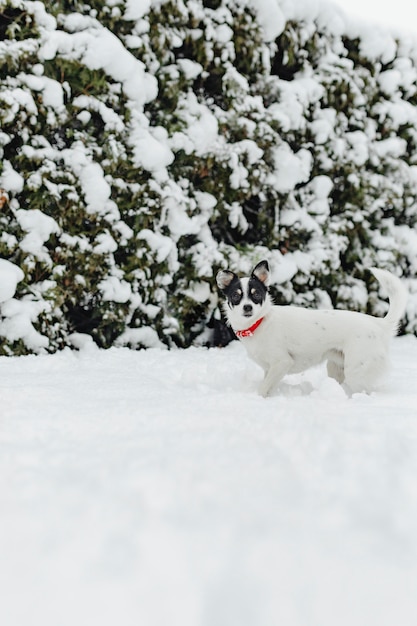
(247, 299)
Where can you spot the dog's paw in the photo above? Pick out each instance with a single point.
(264, 390)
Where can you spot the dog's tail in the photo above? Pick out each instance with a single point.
(397, 295)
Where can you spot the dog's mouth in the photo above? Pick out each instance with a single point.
(248, 314)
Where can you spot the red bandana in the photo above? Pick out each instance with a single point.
(249, 332)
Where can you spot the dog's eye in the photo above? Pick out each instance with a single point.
(236, 297)
(256, 295)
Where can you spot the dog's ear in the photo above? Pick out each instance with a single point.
(224, 278)
(261, 272)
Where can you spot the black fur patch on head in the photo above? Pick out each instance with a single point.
(256, 290)
(234, 292)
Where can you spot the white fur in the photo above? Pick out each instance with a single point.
(291, 339)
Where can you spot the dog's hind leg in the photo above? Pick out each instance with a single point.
(335, 366)
(364, 371)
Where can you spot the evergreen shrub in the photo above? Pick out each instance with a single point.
(144, 147)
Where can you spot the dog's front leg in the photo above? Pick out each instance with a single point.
(274, 375)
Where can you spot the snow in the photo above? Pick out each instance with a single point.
(284, 269)
(98, 48)
(10, 276)
(202, 127)
(135, 9)
(322, 127)
(320, 188)
(115, 290)
(157, 487)
(291, 169)
(376, 43)
(190, 69)
(145, 337)
(10, 180)
(148, 151)
(17, 323)
(163, 246)
(52, 91)
(110, 118)
(39, 227)
(270, 17)
(96, 189)
(399, 17)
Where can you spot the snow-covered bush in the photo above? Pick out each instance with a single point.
(146, 144)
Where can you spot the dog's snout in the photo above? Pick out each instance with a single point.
(247, 308)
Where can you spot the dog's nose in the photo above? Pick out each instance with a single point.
(247, 308)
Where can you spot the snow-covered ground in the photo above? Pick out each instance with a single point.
(156, 488)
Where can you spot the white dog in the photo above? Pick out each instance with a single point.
(289, 339)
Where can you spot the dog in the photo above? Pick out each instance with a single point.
(289, 339)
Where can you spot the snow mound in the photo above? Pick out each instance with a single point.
(10, 276)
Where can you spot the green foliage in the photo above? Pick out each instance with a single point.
(122, 200)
